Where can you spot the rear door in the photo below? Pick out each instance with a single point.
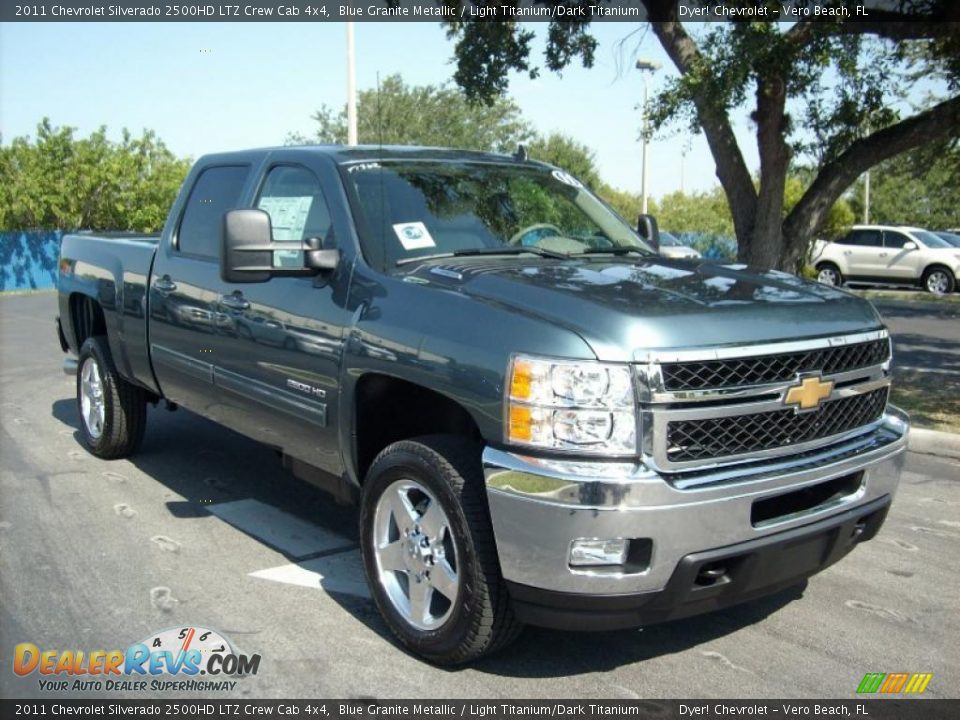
(186, 328)
(863, 252)
(279, 369)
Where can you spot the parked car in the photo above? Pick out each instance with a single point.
(951, 237)
(889, 255)
(543, 420)
(672, 247)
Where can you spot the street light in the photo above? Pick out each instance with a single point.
(645, 66)
(351, 87)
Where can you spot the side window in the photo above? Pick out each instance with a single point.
(894, 239)
(293, 198)
(216, 190)
(865, 238)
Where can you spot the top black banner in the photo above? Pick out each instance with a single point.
(447, 10)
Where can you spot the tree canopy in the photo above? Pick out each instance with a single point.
(58, 181)
(821, 93)
(430, 115)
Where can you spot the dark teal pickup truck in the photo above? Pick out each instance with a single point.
(543, 420)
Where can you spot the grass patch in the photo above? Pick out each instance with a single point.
(908, 295)
(931, 398)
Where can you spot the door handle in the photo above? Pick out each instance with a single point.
(235, 301)
(165, 284)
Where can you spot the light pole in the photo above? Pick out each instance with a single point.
(351, 88)
(866, 198)
(644, 66)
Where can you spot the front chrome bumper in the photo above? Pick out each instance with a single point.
(538, 507)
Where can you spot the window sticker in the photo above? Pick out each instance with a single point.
(288, 216)
(414, 236)
(567, 178)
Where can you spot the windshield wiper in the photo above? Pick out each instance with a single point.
(505, 250)
(613, 251)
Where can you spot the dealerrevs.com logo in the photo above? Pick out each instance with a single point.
(176, 659)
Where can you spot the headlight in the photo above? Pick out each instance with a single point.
(576, 406)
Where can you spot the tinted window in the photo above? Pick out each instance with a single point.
(894, 239)
(215, 191)
(292, 197)
(868, 238)
(930, 240)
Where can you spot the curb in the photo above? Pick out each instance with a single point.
(934, 442)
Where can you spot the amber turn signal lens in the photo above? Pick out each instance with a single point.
(521, 423)
(521, 380)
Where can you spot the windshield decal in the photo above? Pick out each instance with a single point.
(414, 236)
(567, 178)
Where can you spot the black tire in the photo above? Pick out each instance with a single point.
(829, 270)
(481, 620)
(938, 280)
(124, 405)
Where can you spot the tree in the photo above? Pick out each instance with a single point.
(565, 152)
(61, 182)
(919, 188)
(840, 78)
(429, 115)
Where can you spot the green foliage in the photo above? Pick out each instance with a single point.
(427, 115)
(565, 152)
(627, 204)
(62, 182)
(840, 217)
(921, 188)
(702, 212)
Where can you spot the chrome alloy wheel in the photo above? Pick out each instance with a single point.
(417, 563)
(937, 282)
(91, 398)
(828, 276)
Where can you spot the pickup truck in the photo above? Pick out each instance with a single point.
(543, 421)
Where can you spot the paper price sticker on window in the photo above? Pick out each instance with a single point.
(414, 236)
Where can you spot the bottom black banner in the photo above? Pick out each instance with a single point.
(886, 709)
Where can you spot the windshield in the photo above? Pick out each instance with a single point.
(950, 238)
(669, 240)
(929, 239)
(412, 209)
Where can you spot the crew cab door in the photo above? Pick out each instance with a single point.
(185, 327)
(863, 251)
(278, 371)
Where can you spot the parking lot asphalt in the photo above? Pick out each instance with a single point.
(203, 528)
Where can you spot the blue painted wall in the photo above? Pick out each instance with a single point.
(28, 260)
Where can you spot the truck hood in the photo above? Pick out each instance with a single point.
(623, 307)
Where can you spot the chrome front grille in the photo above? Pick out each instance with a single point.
(711, 438)
(718, 406)
(734, 372)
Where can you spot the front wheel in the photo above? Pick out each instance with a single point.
(828, 274)
(113, 413)
(429, 553)
(939, 281)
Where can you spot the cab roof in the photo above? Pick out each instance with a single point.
(345, 154)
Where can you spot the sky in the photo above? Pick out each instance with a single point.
(208, 87)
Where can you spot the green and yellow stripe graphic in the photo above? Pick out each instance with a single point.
(894, 682)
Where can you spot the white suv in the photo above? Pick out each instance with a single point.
(889, 255)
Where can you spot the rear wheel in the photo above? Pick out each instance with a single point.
(429, 553)
(113, 413)
(829, 274)
(939, 281)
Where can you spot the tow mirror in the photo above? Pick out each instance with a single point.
(248, 253)
(648, 230)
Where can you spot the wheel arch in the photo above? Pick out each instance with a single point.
(387, 409)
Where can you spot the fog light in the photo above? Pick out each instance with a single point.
(592, 551)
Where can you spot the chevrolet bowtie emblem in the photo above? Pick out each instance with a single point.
(808, 394)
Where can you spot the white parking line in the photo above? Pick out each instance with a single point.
(282, 531)
(340, 573)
